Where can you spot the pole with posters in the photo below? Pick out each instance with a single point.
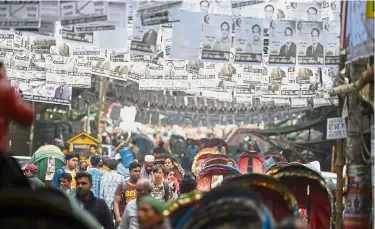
(102, 102)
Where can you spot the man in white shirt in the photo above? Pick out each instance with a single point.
(130, 218)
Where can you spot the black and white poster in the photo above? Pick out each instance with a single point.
(145, 38)
(41, 44)
(119, 66)
(274, 10)
(282, 48)
(243, 3)
(298, 102)
(175, 75)
(216, 38)
(6, 41)
(137, 67)
(310, 43)
(165, 16)
(331, 10)
(228, 75)
(152, 79)
(304, 11)
(79, 73)
(332, 42)
(68, 34)
(81, 12)
(57, 69)
(19, 64)
(206, 77)
(189, 26)
(278, 76)
(19, 14)
(329, 75)
(248, 40)
(290, 90)
(306, 75)
(148, 6)
(253, 75)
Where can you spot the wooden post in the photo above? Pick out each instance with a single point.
(333, 159)
(102, 102)
(31, 136)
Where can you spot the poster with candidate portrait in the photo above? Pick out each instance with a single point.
(175, 75)
(228, 75)
(331, 38)
(278, 76)
(329, 75)
(273, 9)
(248, 40)
(206, 77)
(304, 11)
(152, 79)
(282, 46)
(144, 40)
(308, 75)
(310, 43)
(119, 66)
(331, 10)
(216, 38)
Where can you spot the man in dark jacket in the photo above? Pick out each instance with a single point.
(97, 207)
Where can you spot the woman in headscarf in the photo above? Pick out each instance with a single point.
(150, 214)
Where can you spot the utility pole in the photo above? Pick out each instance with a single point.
(31, 137)
(102, 102)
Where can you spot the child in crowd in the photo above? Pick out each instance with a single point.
(172, 181)
(66, 184)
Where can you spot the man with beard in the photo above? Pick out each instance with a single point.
(125, 191)
(96, 206)
(129, 218)
(146, 171)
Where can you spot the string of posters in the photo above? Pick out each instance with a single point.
(234, 51)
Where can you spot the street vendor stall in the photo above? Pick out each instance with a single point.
(81, 144)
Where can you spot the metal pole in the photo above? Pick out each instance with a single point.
(102, 102)
(88, 118)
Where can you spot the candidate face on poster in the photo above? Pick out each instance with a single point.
(282, 48)
(310, 46)
(332, 42)
(307, 11)
(144, 38)
(274, 10)
(331, 10)
(217, 39)
(248, 40)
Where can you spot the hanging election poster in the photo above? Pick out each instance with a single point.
(194, 66)
(164, 16)
(248, 40)
(68, 34)
(320, 102)
(306, 75)
(282, 49)
(228, 75)
(329, 76)
(309, 90)
(57, 69)
(331, 10)
(216, 38)
(41, 44)
(222, 7)
(189, 26)
(206, 78)
(268, 90)
(359, 32)
(332, 42)
(119, 66)
(336, 128)
(81, 12)
(152, 79)
(166, 44)
(137, 67)
(298, 102)
(79, 73)
(310, 46)
(242, 3)
(274, 10)
(253, 75)
(290, 90)
(19, 64)
(244, 91)
(6, 41)
(21, 41)
(175, 75)
(100, 64)
(147, 6)
(278, 76)
(304, 11)
(144, 38)
(19, 14)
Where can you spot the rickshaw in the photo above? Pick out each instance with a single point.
(48, 159)
(220, 159)
(250, 162)
(212, 176)
(179, 207)
(227, 207)
(277, 196)
(200, 157)
(312, 193)
(179, 171)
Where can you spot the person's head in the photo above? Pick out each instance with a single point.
(168, 163)
(312, 13)
(94, 161)
(170, 66)
(268, 11)
(170, 174)
(135, 171)
(288, 32)
(230, 163)
(300, 26)
(65, 149)
(150, 212)
(315, 34)
(158, 171)
(225, 29)
(294, 5)
(93, 149)
(66, 180)
(83, 183)
(72, 160)
(188, 184)
(333, 6)
(143, 188)
(31, 170)
(112, 164)
(207, 19)
(327, 27)
(149, 163)
(161, 143)
(272, 24)
(204, 5)
(256, 32)
(238, 22)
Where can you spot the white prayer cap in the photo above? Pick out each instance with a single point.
(118, 156)
(149, 158)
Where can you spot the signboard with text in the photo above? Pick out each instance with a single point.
(336, 128)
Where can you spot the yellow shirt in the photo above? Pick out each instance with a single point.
(73, 173)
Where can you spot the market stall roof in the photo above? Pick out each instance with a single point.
(83, 135)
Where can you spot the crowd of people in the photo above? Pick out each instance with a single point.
(112, 190)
